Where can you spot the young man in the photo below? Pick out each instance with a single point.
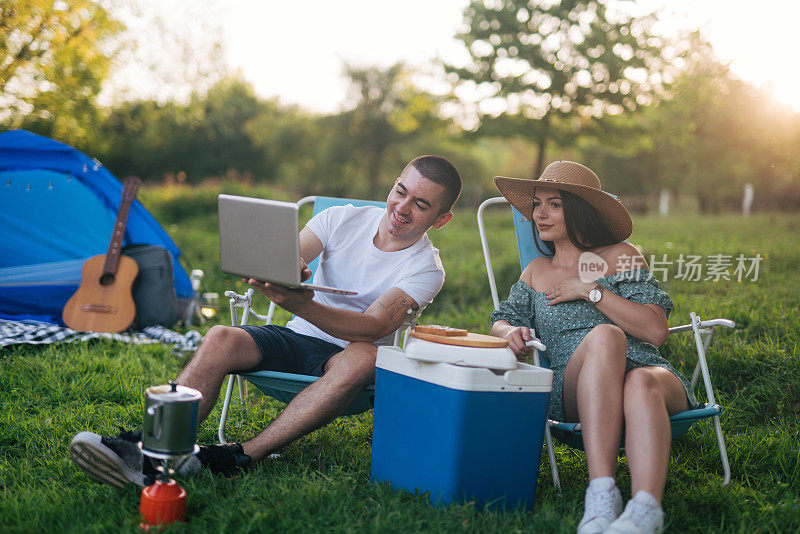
(385, 255)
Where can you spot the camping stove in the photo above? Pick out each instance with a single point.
(168, 438)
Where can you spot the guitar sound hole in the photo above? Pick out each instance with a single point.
(106, 279)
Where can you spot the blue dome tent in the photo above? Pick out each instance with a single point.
(57, 209)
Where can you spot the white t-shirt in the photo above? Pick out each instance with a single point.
(349, 260)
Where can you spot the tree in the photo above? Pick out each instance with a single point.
(220, 120)
(386, 110)
(135, 137)
(54, 56)
(209, 136)
(375, 93)
(717, 133)
(552, 65)
(709, 136)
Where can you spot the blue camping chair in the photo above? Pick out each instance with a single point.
(284, 386)
(570, 433)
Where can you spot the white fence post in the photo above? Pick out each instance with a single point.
(747, 201)
(663, 203)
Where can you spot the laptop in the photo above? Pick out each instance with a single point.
(258, 238)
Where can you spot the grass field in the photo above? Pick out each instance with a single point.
(321, 483)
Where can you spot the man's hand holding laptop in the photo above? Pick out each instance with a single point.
(285, 297)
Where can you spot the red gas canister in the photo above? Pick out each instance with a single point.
(161, 503)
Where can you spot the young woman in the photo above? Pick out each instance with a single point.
(592, 301)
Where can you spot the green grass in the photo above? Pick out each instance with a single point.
(321, 483)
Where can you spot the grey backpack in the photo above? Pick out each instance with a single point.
(154, 287)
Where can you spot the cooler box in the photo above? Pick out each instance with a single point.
(459, 431)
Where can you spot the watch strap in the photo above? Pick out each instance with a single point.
(599, 287)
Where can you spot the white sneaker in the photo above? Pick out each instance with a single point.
(642, 515)
(601, 507)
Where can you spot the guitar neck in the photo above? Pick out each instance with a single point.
(115, 246)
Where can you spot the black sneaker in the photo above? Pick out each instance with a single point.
(224, 459)
(115, 460)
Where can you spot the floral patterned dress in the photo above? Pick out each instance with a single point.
(562, 327)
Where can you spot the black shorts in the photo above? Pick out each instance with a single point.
(286, 351)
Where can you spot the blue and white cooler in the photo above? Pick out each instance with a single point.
(462, 423)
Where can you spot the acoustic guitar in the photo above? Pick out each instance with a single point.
(104, 301)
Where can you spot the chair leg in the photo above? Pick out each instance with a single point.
(225, 407)
(242, 392)
(723, 451)
(551, 456)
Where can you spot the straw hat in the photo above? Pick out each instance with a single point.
(578, 180)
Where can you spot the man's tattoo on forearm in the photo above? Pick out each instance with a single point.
(396, 310)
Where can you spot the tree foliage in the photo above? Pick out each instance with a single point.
(575, 75)
(54, 57)
(549, 64)
(206, 137)
(386, 111)
(714, 134)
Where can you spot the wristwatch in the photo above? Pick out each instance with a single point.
(596, 293)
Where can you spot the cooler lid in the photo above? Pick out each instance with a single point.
(490, 358)
(523, 378)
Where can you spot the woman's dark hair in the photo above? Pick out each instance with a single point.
(584, 227)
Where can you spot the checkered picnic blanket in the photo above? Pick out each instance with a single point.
(36, 333)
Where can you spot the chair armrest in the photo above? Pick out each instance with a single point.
(245, 302)
(727, 323)
(538, 347)
(703, 332)
(401, 334)
(536, 344)
(235, 296)
(412, 316)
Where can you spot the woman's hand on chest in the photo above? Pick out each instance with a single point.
(568, 288)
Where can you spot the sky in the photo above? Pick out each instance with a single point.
(296, 50)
